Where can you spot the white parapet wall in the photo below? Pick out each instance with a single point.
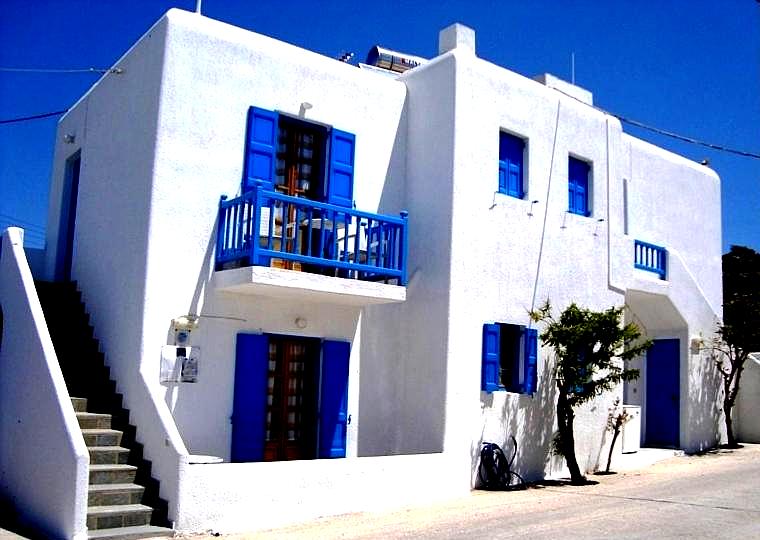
(238, 497)
(44, 464)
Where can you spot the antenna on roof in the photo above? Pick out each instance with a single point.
(572, 65)
(198, 6)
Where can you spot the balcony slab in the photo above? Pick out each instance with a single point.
(290, 284)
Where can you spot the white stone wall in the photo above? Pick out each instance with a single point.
(497, 243)
(746, 417)
(44, 462)
(160, 144)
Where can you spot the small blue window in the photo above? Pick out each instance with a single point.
(511, 150)
(509, 358)
(578, 173)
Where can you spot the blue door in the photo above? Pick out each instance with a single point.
(284, 398)
(250, 398)
(67, 222)
(663, 394)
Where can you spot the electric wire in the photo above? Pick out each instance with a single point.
(44, 70)
(626, 120)
(665, 132)
(32, 117)
(683, 137)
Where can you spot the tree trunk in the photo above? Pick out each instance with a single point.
(565, 417)
(729, 400)
(612, 447)
(731, 440)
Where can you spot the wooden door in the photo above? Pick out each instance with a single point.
(292, 384)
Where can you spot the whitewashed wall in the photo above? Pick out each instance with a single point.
(160, 143)
(115, 128)
(495, 248)
(214, 73)
(675, 203)
(44, 462)
(746, 417)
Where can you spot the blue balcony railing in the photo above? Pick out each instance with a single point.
(261, 226)
(650, 258)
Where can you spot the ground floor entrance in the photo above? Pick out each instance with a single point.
(663, 394)
(291, 396)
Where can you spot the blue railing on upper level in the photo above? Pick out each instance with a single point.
(263, 225)
(650, 258)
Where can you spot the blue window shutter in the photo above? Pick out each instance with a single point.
(503, 166)
(340, 187)
(530, 358)
(489, 380)
(333, 410)
(260, 148)
(250, 397)
(511, 150)
(577, 181)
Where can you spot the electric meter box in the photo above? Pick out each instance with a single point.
(179, 364)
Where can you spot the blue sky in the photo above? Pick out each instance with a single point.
(691, 67)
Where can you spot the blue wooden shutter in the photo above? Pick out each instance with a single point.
(503, 166)
(578, 173)
(340, 185)
(333, 409)
(530, 359)
(489, 379)
(511, 149)
(260, 149)
(250, 397)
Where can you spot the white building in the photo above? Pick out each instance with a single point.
(517, 190)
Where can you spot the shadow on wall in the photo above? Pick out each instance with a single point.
(531, 420)
(705, 403)
(402, 397)
(174, 399)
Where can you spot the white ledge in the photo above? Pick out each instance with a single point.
(290, 284)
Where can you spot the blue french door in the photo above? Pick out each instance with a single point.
(663, 394)
(290, 398)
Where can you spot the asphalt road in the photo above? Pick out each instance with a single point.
(712, 496)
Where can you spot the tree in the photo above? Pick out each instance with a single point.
(616, 419)
(739, 334)
(589, 347)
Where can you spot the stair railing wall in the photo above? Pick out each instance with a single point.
(44, 463)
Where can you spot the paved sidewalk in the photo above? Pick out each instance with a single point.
(716, 495)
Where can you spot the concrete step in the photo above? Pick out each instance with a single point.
(108, 455)
(79, 403)
(119, 515)
(112, 494)
(112, 474)
(88, 420)
(130, 533)
(101, 437)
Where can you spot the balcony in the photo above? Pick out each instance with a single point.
(650, 258)
(278, 245)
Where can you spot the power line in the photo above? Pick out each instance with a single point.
(33, 117)
(630, 121)
(44, 70)
(683, 138)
